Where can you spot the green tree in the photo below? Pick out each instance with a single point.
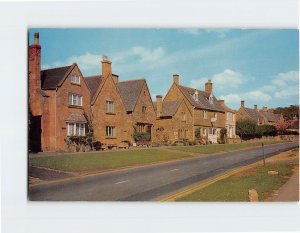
(245, 128)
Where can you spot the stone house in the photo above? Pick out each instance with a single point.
(174, 120)
(261, 117)
(140, 113)
(230, 120)
(107, 109)
(208, 116)
(59, 103)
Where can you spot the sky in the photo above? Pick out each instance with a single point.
(258, 66)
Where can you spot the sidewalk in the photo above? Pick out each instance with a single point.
(289, 191)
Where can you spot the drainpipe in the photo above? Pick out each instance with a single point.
(193, 123)
(55, 116)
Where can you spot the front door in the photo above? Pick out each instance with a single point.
(35, 131)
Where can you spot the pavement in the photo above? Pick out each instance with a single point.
(148, 182)
(289, 191)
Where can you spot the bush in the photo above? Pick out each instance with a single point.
(198, 133)
(246, 128)
(141, 136)
(265, 130)
(223, 135)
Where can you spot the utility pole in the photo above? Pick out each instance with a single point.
(263, 150)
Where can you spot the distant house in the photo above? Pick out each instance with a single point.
(208, 116)
(174, 120)
(261, 117)
(230, 120)
(59, 103)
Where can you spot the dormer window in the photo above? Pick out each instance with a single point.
(196, 96)
(75, 79)
(211, 99)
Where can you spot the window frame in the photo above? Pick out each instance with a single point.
(110, 106)
(78, 101)
(76, 129)
(73, 79)
(110, 131)
(204, 114)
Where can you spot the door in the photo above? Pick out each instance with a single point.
(35, 132)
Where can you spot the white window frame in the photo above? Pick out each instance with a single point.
(75, 79)
(196, 96)
(110, 131)
(76, 129)
(110, 106)
(205, 114)
(204, 132)
(211, 99)
(215, 115)
(227, 116)
(75, 99)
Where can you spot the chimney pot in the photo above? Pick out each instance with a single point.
(243, 103)
(208, 87)
(176, 78)
(265, 109)
(222, 102)
(255, 107)
(36, 38)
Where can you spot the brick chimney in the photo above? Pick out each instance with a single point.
(265, 109)
(222, 102)
(115, 78)
(106, 66)
(176, 78)
(255, 107)
(34, 82)
(158, 105)
(243, 103)
(208, 87)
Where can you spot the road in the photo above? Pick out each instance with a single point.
(148, 182)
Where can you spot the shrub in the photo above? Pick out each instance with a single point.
(223, 135)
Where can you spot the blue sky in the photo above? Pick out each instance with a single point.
(259, 66)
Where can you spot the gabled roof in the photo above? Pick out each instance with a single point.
(271, 117)
(130, 92)
(227, 109)
(52, 77)
(203, 99)
(93, 83)
(169, 107)
(253, 114)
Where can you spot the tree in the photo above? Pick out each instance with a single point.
(281, 127)
(223, 134)
(265, 130)
(288, 112)
(245, 128)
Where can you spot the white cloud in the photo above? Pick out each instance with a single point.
(287, 92)
(286, 79)
(256, 95)
(148, 55)
(268, 88)
(228, 78)
(231, 98)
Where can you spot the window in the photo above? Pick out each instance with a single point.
(76, 129)
(75, 79)
(205, 114)
(227, 116)
(75, 99)
(183, 116)
(110, 131)
(215, 115)
(196, 96)
(204, 132)
(110, 106)
(211, 99)
(144, 108)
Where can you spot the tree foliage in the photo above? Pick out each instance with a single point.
(288, 112)
(246, 128)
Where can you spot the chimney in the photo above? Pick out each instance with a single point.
(115, 78)
(265, 109)
(255, 107)
(222, 102)
(271, 110)
(243, 103)
(36, 38)
(106, 66)
(158, 105)
(34, 76)
(208, 87)
(176, 78)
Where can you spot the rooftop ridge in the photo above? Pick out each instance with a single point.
(55, 68)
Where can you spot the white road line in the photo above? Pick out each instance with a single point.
(173, 170)
(121, 182)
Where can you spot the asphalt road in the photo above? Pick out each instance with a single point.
(148, 182)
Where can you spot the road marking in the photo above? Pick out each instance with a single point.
(121, 182)
(173, 170)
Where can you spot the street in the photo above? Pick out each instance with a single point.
(147, 183)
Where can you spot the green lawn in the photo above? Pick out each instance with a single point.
(86, 162)
(214, 148)
(235, 188)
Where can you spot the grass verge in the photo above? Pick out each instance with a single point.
(88, 162)
(215, 148)
(235, 187)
